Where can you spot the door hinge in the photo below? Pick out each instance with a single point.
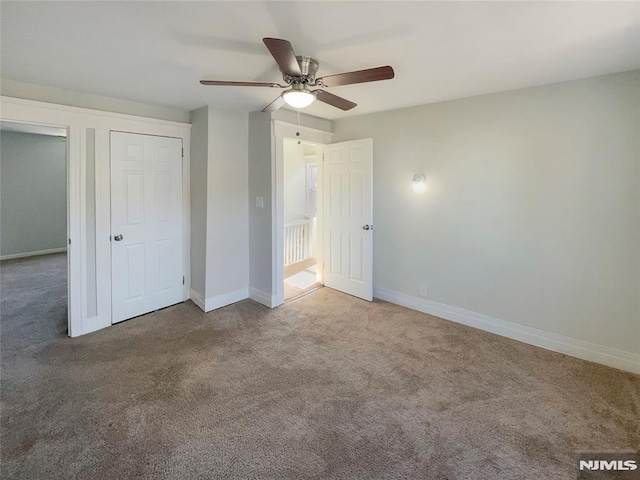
(69, 241)
(183, 153)
(183, 280)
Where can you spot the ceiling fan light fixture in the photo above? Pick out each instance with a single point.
(298, 97)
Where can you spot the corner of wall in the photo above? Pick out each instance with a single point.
(199, 151)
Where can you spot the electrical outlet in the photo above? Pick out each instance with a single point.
(423, 290)
(260, 202)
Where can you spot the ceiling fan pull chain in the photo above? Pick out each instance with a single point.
(298, 132)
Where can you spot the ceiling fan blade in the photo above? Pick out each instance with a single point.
(241, 84)
(360, 76)
(275, 105)
(284, 56)
(334, 100)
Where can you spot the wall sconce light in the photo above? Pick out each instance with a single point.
(418, 183)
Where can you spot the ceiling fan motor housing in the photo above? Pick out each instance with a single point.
(308, 67)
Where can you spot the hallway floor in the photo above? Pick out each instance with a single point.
(300, 278)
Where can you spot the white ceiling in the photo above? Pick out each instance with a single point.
(30, 128)
(156, 52)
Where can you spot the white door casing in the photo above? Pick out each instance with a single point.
(280, 131)
(348, 217)
(146, 224)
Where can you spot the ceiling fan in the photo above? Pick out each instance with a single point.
(299, 73)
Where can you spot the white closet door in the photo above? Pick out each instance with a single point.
(348, 216)
(146, 224)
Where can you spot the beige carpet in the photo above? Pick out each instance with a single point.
(326, 387)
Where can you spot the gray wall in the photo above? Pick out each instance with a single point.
(227, 204)
(260, 241)
(33, 189)
(199, 160)
(219, 202)
(41, 93)
(532, 212)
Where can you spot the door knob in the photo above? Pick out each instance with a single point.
(367, 227)
(118, 238)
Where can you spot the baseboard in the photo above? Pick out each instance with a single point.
(198, 299)
(551, 341)
(219, 301)
(33, 254)
(262, 297)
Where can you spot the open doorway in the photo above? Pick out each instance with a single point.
(300, 218)
(33, 232)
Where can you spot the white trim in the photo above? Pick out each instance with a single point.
(186, 216)
(279, 131)
(319, 252)
(551, 341)
(75, 223)
(82, 243)
(57, 109)
(33, 254)
(103, 231)
(94, 324)
(219, 301)
(262, 297)
(90, 325)
(77, 120)
(198, 299)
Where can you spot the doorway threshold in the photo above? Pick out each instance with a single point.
(304, 294)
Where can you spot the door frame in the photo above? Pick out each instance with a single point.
(281, 130)
(78, 121)
(72, 253)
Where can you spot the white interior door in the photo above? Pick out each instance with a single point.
(348, 217)
(146, 224)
